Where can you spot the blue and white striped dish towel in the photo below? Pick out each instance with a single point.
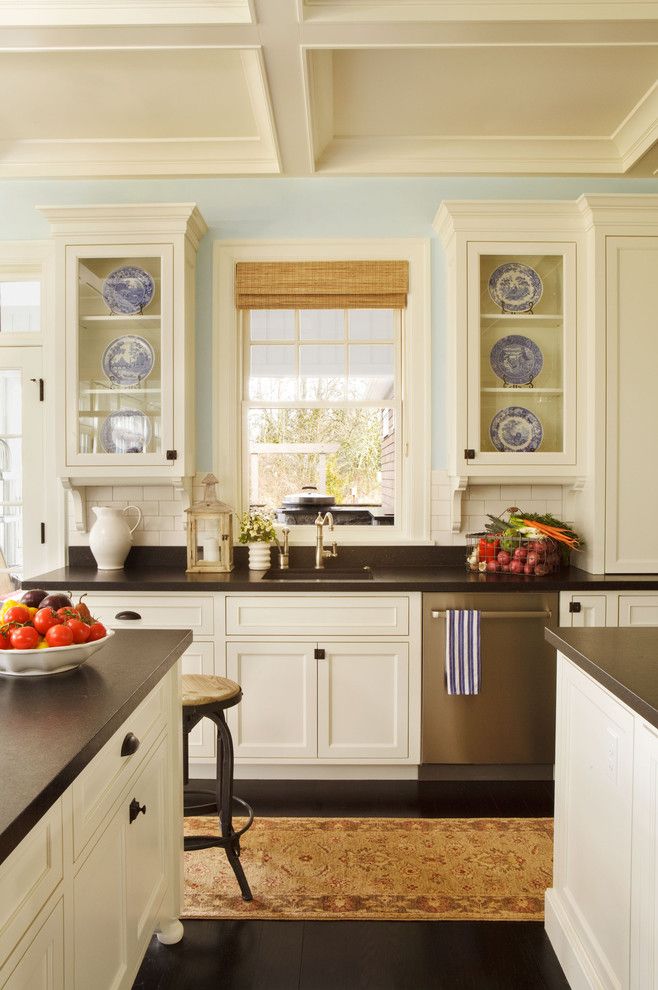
(463, 664)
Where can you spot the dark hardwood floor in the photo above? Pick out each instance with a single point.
(360, 955)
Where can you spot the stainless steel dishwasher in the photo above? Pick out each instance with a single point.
(512, 719)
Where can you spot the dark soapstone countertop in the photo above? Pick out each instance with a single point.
(52, 727)
(387, 576)
(625, 661)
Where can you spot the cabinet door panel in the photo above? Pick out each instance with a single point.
(99, 905)
(644, 966)
(145, 848)
(632, 357)
(594, 789)
(363, 701)
(38, 961)
(199, 659)
(593, 611)
(277, 716)
(638, 610)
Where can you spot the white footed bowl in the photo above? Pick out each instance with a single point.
(53, 660)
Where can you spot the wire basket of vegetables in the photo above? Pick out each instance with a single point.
(524, 543)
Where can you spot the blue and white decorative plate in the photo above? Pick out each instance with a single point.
(126, 431)
(516, 429)
(515, 288)
(128, 360)
(516, 359)
(128, 290)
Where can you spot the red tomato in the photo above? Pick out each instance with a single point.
(44, 619)
(97, 631)
(80, 630)
(5, 642)
(24, 638)
(18, 613)
(67, 612)
(59, 635)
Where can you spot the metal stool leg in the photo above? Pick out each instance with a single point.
(225, 802)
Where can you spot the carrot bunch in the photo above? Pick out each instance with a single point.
(559, 533)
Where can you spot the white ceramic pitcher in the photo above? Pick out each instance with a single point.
(110, 538)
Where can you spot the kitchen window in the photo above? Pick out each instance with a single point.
(331, 377)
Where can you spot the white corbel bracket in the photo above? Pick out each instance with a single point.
(79, 503)
(183, 487)
(576, 486)
(458, 485)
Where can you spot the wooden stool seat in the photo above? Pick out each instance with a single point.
(206, 689)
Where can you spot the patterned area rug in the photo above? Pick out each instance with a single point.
(394, 869)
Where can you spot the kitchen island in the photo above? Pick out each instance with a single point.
(602, 910)
(91, 817)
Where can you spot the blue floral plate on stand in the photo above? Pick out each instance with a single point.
(126, 431)
(515, 288)
(516, 429)
(516, 359)
(128, 290)
(128, 360)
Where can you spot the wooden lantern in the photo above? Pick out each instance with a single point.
(209, 532)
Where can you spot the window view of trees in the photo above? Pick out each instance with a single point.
(322, 406)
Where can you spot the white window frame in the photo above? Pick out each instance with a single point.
(412, 515)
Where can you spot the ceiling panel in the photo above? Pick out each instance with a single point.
(531, 91)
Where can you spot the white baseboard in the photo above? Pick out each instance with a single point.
(300, 772)
(568, 948)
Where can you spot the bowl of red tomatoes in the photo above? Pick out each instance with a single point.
(47, 634)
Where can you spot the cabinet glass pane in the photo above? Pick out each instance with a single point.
(521, 353)
(119, 355)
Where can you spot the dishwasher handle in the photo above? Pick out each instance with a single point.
(545, 614)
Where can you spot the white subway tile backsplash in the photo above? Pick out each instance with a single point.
(482, 491)
(157, 493)
(142, 538)
(160, 523)
(547, 491)
(127, 492)
(170, 508)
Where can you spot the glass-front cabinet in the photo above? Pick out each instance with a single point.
(120, 343)
(512, 328)
(125, 304)
(521, 354)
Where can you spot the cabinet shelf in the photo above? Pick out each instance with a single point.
(512, 390)
(150, 321)
(522, 317)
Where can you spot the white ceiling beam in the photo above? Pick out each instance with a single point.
(280, 34)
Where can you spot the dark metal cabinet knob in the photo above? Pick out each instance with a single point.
(127, 615)
(134, 809)
(129, 745)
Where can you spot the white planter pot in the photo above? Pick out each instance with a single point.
(259, 556)
(110, 538)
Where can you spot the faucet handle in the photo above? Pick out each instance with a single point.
(334, 549)
(319, 520)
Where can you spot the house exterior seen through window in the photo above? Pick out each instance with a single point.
(322, 410)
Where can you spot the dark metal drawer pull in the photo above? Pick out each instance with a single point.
(503, 615)
(129, 745)
(127, 615)
(134, 809)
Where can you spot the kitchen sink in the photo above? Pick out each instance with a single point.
(325, 574)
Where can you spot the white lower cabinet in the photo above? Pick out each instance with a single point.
(602, 910)
(328, 695)
(277, 717)
(608, 608)
(363, 701)
(112, 875)
(38, 961)
(644, 948)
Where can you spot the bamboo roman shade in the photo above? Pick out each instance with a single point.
(321, 284)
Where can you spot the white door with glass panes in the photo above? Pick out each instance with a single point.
(22, 495)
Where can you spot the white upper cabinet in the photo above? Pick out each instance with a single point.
(512, 338)
(125, 325)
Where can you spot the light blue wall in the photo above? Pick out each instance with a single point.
(314, 207)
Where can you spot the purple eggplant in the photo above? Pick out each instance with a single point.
(34, 597)
(55, 601)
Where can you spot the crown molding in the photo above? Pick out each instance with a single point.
(120, 218)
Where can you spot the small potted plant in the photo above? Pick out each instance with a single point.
(257, 531)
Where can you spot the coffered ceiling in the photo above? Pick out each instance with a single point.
(328, 87)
